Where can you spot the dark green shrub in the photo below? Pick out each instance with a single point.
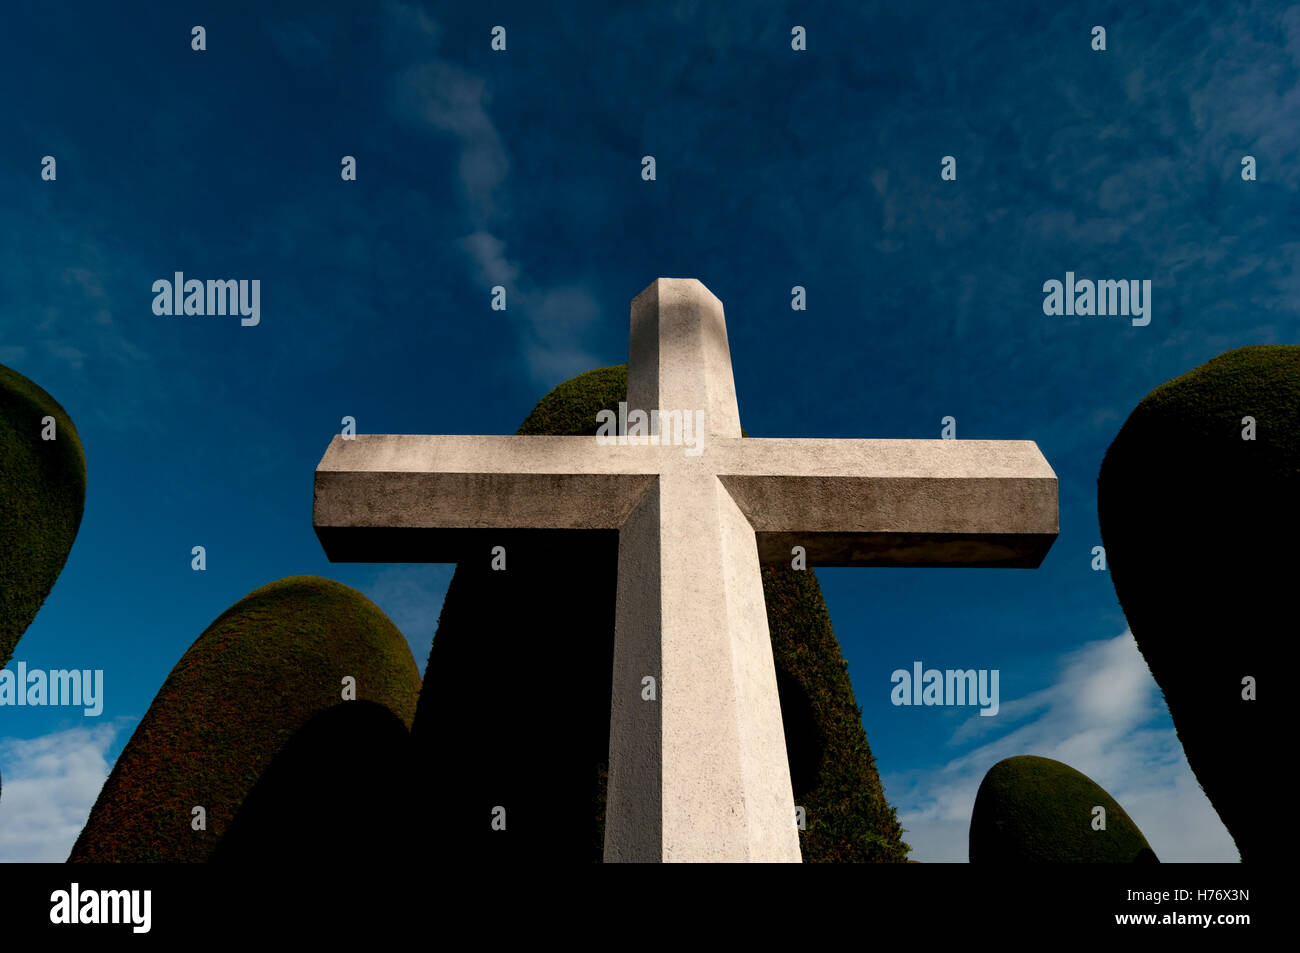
(43, 492)
(1032, 810)
(259, 673)
(1199, 527)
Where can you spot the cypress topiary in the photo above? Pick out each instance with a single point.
(1035, 810)
(43, 486)
(265, 668)
(517, 691)
(1199, 527)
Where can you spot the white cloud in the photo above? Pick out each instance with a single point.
(549, 320)
(454, 101)
(557, 319)
(409, 28)
(69, 331)
(1103, 716)
(553, 319)
(489, 253)
(49, 786)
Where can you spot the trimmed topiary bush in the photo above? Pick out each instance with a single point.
(1032, 810)
(538, 638)
(1199, 527)
(263, 670)
(832, 769)
(43, 489)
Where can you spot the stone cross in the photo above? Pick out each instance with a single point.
(698, 772)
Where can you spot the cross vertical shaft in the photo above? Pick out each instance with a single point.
(700, 772)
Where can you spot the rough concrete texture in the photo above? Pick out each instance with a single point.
(699, 773)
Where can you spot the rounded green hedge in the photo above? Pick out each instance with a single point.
(1199, 527)
(1035, 810)
(43, 486)
(515, 709)
(264, 669)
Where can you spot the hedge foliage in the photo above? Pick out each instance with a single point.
(265, 668)
(1199, 527)
(43, 489)
(1036, 810)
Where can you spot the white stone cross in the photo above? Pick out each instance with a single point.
(700, 772)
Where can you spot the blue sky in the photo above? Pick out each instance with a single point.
(775, 168)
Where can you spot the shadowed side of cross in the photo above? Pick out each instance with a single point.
(699, 772)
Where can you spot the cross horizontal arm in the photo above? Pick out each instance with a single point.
(894, 502)
(405, 497)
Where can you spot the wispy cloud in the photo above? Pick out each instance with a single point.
(50, 784)
(72, 288)
(1103, 716)
(454, 102)
(550, 320)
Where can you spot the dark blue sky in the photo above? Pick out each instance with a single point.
(775, 168)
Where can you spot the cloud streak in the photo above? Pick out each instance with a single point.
(50, 785)
(550, 319)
